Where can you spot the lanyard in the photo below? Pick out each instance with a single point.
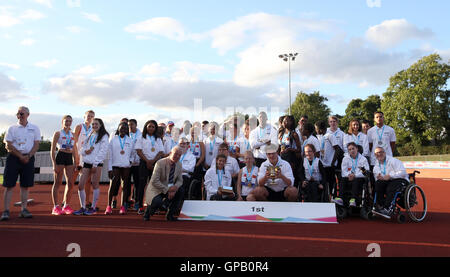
(249, 174)
(152, 140)
(355, 163)
(212, 143)
(92, 139)
(247, 143)
(122, 143)
(384, 169)
(322, 145)
(182, 157)
(86, 130)
(357, 138)
(133, 138)
(380, 137)
(311, 167)
(219, 177)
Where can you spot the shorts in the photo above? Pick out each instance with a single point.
(86, 165)
(63, 158)
(14, 169)
(276, 196)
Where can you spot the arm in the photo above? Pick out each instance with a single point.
(202, 156)
(53, 148)
(103, 151)
(239, 186)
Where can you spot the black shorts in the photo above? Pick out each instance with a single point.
(86, 165)
(276, 196)
(63, 158)
(14, 168)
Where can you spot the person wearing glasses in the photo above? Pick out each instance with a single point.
(390, 174)
(22, 142)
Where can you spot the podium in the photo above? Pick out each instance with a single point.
(246, 211)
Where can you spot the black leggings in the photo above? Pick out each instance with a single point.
(120, 176)
(144, 176)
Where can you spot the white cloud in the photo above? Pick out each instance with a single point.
(92, 16)
(46, 64)
(8, 21)
(191, 72)
(73, 3)
(153, 69)
(74, 29)
(47, 3)
(393, 32)
(9, 66)
(162, 26)
(86, 70)
(28, 42)
(9, 88)
(32, 15)
(373, 3)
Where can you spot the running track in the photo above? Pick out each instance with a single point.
(48, 236)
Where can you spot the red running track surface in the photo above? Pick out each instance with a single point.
(48, 236)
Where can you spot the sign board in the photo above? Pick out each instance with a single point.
(281, 212)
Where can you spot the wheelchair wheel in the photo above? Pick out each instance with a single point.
(415, 203)
(194, 192)
(401, 218)
(341, 212)
(365, 213)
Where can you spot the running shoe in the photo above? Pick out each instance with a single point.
(67, 210)
(57, 211)
(338, 201)
(25, 214)
(140, 211)
(5, 216)
(79, 212)
(90, 211)
(108, 210)
(352, 202)
(123, 210)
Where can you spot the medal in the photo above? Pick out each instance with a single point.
(380, 143)
(122, 152)
(153, 149)
(210, 153)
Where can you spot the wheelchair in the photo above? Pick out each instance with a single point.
(324, 193)
(364, 202)
(411, 198)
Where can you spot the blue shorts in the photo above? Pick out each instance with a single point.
(14, 168)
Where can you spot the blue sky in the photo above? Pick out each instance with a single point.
(151, 59)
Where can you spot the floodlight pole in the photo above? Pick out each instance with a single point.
(288, 58)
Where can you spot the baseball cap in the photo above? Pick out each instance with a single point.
(272, 148)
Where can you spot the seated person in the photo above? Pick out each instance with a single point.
(165, 186)
(313, 177)
(188, 162)
(352, 175)
(247, 178)
(231, 164)
(390, 175)
(218, 181)
(279, 187)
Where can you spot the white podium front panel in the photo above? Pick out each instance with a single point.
(283, 212)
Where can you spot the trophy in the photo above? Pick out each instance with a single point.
(273, 170)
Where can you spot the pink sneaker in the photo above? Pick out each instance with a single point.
(108, 210)
(122, 210)
(57, 211)
(67, 210)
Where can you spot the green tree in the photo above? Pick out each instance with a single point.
(416, 102)
(361, 109)
(313, 105)
(2, 145)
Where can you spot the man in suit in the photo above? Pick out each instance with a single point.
(165, 186)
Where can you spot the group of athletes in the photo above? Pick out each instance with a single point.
(160, 166)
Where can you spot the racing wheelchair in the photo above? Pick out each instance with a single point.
(364, 202)
(410, 198)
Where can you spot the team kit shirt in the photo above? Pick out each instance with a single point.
(169, 144)
(249, 180)
(23, 137)
(287, 142)
(150, 146)
(286, 170)
(234, 143)
(231, 165)
(195, 149)
(84, 133)
(215, 179)
(381, 137)
(312, 170)
(390, 166)
(188, 162)
(339, 135)
(360, 139)
(326, 143)
(134, 156)
(244, 146)
(120, 150)
(311, 140)
(259, 136)
(66, 141)
(99, 152)
(211, 148)
(352, 166)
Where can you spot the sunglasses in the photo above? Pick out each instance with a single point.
(20, 114)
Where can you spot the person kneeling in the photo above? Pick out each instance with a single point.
(165, 186)
(275, 179)
(218, 181)
(352, 175)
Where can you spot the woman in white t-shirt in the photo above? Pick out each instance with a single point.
(217, 179)
(150, 149)
(247, 177)
(212, 143)
(355, 135)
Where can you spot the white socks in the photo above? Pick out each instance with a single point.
(82, 195)
(96, 196)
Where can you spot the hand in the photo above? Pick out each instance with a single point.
(304, 184)
(25, 159)
(278, 174)
(171, 192)
(320, 186)
(239, 198)
(351, 177)
(387, 177)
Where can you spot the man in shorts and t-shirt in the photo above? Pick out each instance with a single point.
(22, 142)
